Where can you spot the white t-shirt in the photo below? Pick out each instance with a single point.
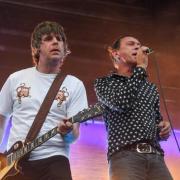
(21, 97)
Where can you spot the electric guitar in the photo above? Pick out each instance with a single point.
(9, 160)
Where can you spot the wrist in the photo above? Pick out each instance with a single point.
(63, 133)
(142, 65)
(69, 137)
(139, 72)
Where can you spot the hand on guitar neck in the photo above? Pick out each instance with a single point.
(64, 127)
(68, 128)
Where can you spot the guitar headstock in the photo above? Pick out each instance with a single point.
(86, 114)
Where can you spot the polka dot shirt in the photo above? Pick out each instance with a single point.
(131, 109)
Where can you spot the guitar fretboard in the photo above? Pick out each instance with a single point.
(30, 146)
(82, 116)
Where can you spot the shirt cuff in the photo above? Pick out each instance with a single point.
(140, 72)
(69, 137)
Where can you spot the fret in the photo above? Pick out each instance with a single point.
(32, 145)
(36, 143)
(28, 147)
(13, 157)
(43, 138)
(20, 153)
(46, 136)
(25, 149)
(9, 159)
(54, 131)
(88, 113)
(100, 109)
(17, 154)
(40, 140)
(49, 134)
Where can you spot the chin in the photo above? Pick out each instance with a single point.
(54, 61)
(133, 62)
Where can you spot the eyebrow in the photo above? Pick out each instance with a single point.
(51, 36)
(132, 41)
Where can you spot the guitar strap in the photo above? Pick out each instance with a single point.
(44, 109)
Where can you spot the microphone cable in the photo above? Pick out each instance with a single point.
(164, 103)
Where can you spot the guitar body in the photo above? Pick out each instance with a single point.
(11, 169)
(8, 171)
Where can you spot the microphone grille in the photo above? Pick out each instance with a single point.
(149, 51)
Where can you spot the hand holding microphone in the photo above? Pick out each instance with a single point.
(148, 51)
(142, 56)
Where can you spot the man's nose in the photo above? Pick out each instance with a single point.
(55, 40)
(137, 47)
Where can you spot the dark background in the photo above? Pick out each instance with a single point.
(92, 25)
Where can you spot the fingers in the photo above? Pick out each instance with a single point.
(142, 57)
(164, 125)
(144, 49)
(165, 130)
(164, 134)
(65, 126)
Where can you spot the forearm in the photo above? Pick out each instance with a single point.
(113, 94)
(137, 78)
(119, 95)
(117, 103)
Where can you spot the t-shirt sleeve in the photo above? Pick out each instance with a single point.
(78, 100)
(6, 101)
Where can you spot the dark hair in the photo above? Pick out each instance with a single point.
(116, 43)
(43, 28)
(115, 46)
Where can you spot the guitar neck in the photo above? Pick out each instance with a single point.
(89, 113)
(80, 117)
(31, 145)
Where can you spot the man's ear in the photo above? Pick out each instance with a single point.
(118, 57)
(115, 56)
(35, 51)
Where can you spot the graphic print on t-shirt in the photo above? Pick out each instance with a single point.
(22, 91)
(61, 96)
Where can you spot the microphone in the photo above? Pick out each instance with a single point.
(148, 51)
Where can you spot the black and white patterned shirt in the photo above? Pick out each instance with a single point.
(131, 109)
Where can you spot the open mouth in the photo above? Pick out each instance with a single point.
(55, 51)
(134, 54)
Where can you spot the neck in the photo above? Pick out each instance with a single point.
(49, 68)
(125, 70)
